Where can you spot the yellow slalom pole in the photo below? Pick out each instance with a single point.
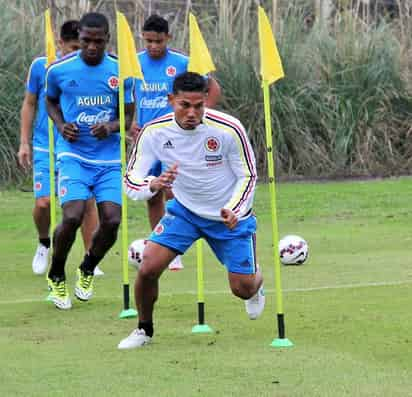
(201, 327)
(281, 341)
(50, 51)
(52, 177)
(127, 312)
(52, 185)
(200, 275)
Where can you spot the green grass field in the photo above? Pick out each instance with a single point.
(348, 310)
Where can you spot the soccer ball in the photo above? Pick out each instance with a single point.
(293, 250)
(135, 253)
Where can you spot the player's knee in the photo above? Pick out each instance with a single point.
(111, 224)
(72, 220)
(243, 289)
(149, 269)
(43, 203)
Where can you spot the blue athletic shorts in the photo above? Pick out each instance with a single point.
(79, 180)
(180, 228)
(157, 168)
(41, 179)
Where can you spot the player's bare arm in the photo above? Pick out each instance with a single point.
(103, 130)
(28, 111)
(69, 131)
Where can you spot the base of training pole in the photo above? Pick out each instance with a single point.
(281, 342)
(128, 313)
(202, 329)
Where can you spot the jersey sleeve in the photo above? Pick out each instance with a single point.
(33, 82)
(129, 90)
(243, 164)
(52, 87)
(136, 181)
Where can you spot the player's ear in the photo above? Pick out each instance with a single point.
(171, 99)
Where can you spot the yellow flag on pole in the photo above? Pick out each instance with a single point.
(200, 60)
(129, 65)
(49, 39)
(271, 67)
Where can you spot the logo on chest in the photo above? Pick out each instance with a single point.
(212, 144)
(72, 84)
(168, 145)
(113, 82)
(96, 100)
(171, 71)
(213, 157)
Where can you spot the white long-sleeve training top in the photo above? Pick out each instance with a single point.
(216, 164)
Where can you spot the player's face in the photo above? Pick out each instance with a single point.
(66, 47)
(93, 43)
(189, 108)
(156, 43)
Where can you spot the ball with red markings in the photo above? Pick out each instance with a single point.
(135, 253)
(293, 250)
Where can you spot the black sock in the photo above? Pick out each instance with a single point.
(147, 326)
(56, 271)
(45, 241)
(89, 263)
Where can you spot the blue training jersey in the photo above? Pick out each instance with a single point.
(35, 86)
(88, 95)
(159, 74)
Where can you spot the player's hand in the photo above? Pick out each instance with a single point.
(100, 131)
(229, 218)
(24, 156)
(70, 131)
(165, 181)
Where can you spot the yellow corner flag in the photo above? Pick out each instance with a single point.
(49, 41)
(51, 57)
(200, 60)
(128, 64)
(270, 63)
(271, 70)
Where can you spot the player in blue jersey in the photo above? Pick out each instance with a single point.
(160, 65)
(82, 99)
(35, 100)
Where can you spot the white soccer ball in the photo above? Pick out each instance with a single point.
(293, 250)
(135, 253)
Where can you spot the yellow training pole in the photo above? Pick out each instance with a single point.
(127, 312)
(281, 341)
(52, 177)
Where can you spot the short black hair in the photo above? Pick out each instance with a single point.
(189, 82)
(94, 20)
(155, 23)
(70, 30)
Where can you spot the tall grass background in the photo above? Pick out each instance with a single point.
(344, 108)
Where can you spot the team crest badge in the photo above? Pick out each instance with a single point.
(171, 71)
(212, 144)
(113, 82)
(37, 186)
(159, 229)
(63, 191)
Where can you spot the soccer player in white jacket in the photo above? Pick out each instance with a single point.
(212, 172)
